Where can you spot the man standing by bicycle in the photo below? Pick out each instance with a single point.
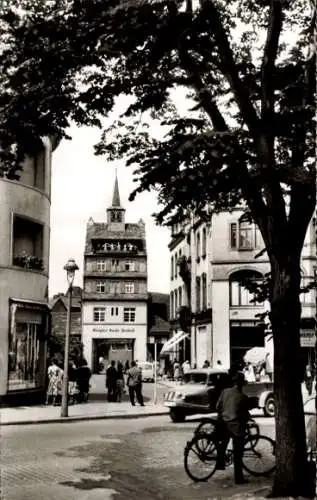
(233, 412)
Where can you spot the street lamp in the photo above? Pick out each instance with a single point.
(70, 269)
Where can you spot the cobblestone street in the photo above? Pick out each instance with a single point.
(108, 460)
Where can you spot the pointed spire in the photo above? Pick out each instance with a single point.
(116, 195)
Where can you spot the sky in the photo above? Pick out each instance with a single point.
(82, 186)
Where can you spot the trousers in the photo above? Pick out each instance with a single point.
(136, 390)
(226, 431)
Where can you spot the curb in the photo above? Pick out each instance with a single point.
(80, 418)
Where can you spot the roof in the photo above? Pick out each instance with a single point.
(116, 195)
(100, 230)
(76, 301)
(159, 325)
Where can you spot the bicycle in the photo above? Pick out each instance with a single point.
(201, 454)
(208, 425)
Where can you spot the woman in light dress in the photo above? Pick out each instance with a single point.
(55, 379)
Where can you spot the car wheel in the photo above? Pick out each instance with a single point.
(269, 407)
(177, 416)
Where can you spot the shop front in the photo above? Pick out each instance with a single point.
(111, 350)
(27, 332)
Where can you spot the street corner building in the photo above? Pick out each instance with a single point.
(114, 302)
(210, 258)
(24, 267)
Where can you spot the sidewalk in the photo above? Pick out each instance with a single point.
(23, 415)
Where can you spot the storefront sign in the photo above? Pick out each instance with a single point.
(114, 330)
(307, 339)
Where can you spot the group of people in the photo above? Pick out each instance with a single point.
(119, 376)
(79, 375)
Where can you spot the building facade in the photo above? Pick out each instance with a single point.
(114, 305)
(220, 254)
(59, 309)
(24, 267)
(158, 324)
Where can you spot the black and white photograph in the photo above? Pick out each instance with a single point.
(158, 249)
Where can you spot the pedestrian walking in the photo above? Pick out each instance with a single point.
(55, 378)
(135, 384)
(120, 382)
(83, 373)
(176, 370)
(72, 382)
(233, 412)
(111, 381)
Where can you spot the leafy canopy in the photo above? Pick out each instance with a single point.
(247, 134)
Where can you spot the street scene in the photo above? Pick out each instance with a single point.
(158, 249)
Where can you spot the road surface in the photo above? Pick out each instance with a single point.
(107, 460)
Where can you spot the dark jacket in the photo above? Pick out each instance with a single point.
(111, 376)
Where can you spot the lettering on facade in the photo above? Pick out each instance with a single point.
(114, 330)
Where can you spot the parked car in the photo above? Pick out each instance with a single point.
(200, 390)
(147, 371)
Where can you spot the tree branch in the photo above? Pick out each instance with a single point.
(230, 70)
(268, 62)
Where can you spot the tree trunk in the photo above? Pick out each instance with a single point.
(291, 460)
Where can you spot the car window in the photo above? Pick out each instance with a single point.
(195, 378)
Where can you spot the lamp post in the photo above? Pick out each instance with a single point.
(70, 269)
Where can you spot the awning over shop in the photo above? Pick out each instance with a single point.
(171, 343)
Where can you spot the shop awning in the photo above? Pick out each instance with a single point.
(171, 343)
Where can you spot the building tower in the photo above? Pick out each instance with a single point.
(114, 307)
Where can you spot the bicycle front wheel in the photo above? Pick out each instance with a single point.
(259, 457)
(206, 426)
(200, 458)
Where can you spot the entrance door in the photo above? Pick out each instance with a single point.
(100, 347)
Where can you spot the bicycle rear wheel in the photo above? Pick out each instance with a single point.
(259, 457)
(252, 434)
(200, 458)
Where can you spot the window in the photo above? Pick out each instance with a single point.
(172, 305)
(239, 295)
(129, 265)
(180, 299)
(24, 356)
(198, 246)
(101, 265)
(244, 236)
(204, 243)
(27, 243)
(198, 294)
(129, 287)
(101, 287)
(204, 291)
(115, 311)
(99, 314)
(129, 314)
(114, 264)
(172, 267)
(116, 216)
(175, 265)
(195, 378)
(175, 303)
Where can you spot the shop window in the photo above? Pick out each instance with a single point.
(99, 314)
(129, 314)
(27, 243)
(24, 356)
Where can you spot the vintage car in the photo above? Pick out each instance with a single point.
(200, 389)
